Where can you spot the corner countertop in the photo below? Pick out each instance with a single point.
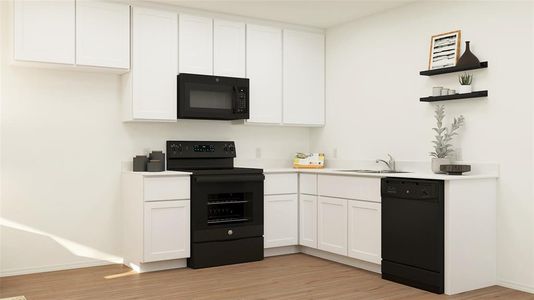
(416, 174)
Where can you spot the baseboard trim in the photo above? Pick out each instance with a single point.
(516, 286)
(353, 262)
(157, 265)
(267, 252)
(52, 268)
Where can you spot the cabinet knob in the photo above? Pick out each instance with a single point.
(230, 232)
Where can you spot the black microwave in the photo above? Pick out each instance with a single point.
(212, 97)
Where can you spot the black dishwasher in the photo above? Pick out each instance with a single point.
(413, 232)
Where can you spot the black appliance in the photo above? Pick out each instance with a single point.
(212, 97)
(413, 232)
(226, 203)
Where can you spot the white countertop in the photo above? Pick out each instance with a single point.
(420, 175)
(164, 173)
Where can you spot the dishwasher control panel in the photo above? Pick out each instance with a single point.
(409, 188)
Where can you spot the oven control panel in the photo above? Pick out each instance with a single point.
(201, 149)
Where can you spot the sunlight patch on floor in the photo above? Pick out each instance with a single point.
(14, 298)
(73, 247)
(132, 272)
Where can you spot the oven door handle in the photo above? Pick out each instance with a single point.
(230, 178)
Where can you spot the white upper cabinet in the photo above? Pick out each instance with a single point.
(303, 69)
(103, 34)
(196, 45)
(151, 83)
(264, 69)
(228, 48)
(44, 31)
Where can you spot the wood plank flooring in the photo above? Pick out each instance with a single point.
(296, 276)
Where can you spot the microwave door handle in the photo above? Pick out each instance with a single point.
(234, 99)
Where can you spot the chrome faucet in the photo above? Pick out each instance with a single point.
(390, 164)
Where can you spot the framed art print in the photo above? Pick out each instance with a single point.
(444, 50)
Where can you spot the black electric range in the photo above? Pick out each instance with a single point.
(226, 203)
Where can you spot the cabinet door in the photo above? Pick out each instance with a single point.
(264, 69)
(280, 220)
(154, 64)
(166, 233)
(303, 78)
(228, 48)
(332, 225)
(103, 34)
(364, 231)
(196, 45)
(44, 31)
(308, 221)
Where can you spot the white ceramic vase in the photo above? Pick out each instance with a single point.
(437, 162)
(465, 89)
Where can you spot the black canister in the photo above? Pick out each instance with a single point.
(140, 163)
(158, 156)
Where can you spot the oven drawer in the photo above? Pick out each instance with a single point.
(226, 233)
(166, 188)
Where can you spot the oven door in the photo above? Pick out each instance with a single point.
(226, 207)
(212, 97)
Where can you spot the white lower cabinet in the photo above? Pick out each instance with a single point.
(364, 224)
(166, 232)
(280, 220)
(308, 220)
(332, 225)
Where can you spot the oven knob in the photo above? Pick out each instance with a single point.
(230, 232)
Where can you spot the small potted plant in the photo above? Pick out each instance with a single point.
(442, 144)
(465, 83)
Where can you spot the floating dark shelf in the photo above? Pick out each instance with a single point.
(476, 94)
(482, 65)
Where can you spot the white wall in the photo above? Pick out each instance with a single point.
(62, 146)
(373, 107)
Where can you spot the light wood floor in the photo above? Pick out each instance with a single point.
(295, 276)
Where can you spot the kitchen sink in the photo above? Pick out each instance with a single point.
(373, 171)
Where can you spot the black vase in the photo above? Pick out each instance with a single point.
(468, 58)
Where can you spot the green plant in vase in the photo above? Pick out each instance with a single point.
(465, 83)
(444, 136)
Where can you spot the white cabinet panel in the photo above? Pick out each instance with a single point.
(280, 220)
(166, 188)
(166, 230)
(308, 184)
(44, 31)
(350, 187)
(332, 225)
(228, 48)
(103, 34)
(281, 184)
(154, 64)
(264, 69)
(303, 69)
(308, 221)
(364, 231)
(195, 45)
